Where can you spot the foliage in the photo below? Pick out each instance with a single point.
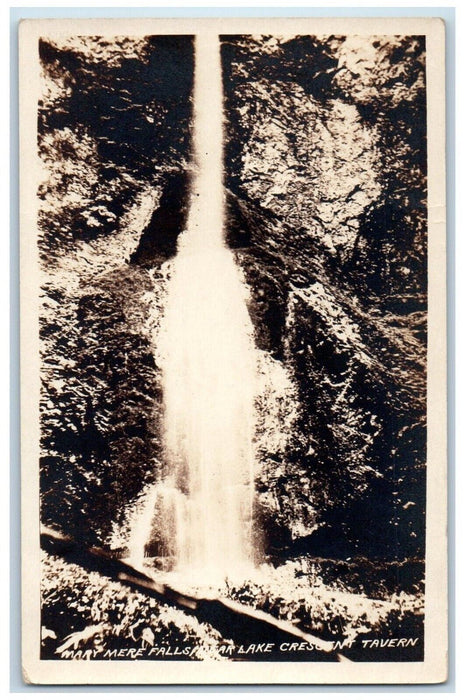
(88, 613)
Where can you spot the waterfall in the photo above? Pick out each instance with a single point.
(207, 357)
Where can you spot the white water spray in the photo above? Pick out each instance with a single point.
(208, 365)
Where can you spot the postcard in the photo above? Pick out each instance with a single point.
(233, 351)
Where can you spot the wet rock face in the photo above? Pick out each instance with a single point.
(113, 138)
(347, 164)
(114, 117)
(159, 238)
(101, 401)
(328, 162)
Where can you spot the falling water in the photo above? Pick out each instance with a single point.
(208, 365)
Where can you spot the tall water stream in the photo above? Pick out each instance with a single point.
(208, 364)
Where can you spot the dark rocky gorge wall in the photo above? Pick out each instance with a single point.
(327, 159)
(114, 140)
(325, 166)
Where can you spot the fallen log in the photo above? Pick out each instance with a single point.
(244, 625)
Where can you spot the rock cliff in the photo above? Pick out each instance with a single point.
(325, 166)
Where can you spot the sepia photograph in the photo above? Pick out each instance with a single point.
(233, 351)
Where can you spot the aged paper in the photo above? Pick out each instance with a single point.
(233, 351)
